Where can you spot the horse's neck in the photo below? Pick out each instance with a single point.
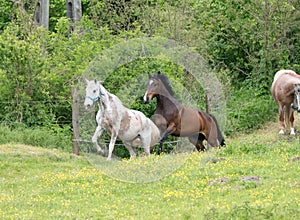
(111, 105)
(296, 76)
(104, 96)
(100, 104)
(167, 102)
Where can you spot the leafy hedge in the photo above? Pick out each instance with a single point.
(249, 108)
(38, 67)
(56, 137)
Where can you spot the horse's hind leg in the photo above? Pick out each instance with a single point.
(130, 149)
(212, 140)
(145, 137)
(281, 119)
(197, 140)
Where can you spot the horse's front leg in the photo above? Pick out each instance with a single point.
(161, 141)
(97, 134)
(291, 118)
(170, 129)
(112, 142)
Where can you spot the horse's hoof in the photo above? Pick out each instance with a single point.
(293, 131)
(281, 132)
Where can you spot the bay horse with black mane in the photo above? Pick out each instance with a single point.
(285, 89)
(172, 118)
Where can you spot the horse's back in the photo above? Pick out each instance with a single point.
(280, 73)
(283, 86)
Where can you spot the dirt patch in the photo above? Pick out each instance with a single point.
(293, 184)
(219, 181)
(249, 178)
(295, 159)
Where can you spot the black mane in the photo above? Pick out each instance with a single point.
(165, 80)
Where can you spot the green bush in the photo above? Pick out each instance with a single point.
(38, 67)
(249, 108)
(55, 137)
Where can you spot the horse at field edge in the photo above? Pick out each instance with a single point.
(284, 90)
(172, 118)
(132, 127)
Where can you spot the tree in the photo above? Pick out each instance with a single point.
(250, 38)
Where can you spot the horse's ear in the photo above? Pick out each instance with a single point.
(149, 75)
(95, 80)
(158, 72)
(86, 80)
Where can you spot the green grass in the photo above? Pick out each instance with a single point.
(39, 183)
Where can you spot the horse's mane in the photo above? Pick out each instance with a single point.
(165, 80)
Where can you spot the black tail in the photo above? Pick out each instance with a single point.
(220, 136)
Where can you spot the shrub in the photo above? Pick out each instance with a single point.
(54, 137)
(248, 109)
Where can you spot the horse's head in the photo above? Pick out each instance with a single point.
(158, 85)
(92, 92)
(297, 96)
(153, 88)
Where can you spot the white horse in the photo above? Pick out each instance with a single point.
(132, 127)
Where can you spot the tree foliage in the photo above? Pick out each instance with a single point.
(246, 42)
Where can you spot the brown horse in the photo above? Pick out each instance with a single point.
(174, 119)
(283, 91)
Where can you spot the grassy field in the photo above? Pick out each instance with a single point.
(255, 177)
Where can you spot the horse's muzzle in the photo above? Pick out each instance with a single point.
(88, 106)
(147, 100)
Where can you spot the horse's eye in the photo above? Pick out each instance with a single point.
(94, 91)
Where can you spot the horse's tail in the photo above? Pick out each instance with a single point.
(220, 136)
